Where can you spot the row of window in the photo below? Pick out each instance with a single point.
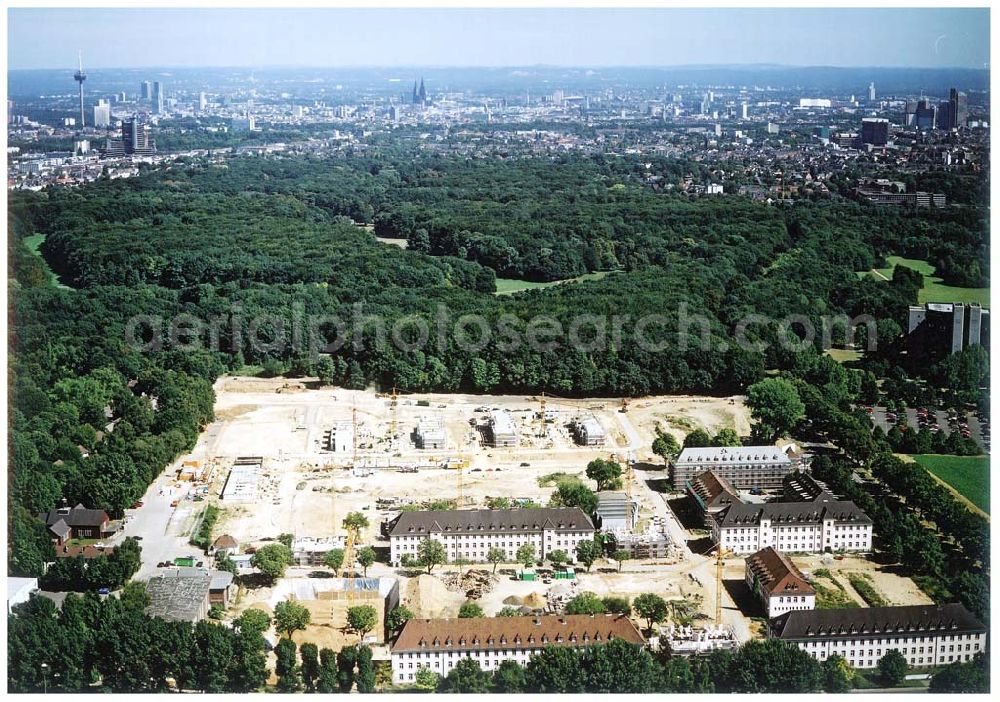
(896, 640)
(863, 662)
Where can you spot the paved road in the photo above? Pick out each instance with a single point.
(164, 530)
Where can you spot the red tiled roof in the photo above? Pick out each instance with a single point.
(777, 575)
(505, 633)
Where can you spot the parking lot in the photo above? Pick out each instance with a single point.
(935, 420)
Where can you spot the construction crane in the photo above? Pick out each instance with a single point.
(629, 476)
(393, 424)
(354, 436)
(349, 566)
(720, 554)
(541, 416)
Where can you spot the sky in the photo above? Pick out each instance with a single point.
(134, 38)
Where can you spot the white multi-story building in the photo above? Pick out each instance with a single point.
(439, 644)
(793, 527)
(470, 534)
(926, 635)
(430, 434)
(502, 429)
(341, 437)
(589, 432)
(777, 583)
(745, 467)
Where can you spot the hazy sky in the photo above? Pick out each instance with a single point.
(49, 38)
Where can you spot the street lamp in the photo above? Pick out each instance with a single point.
(45, 678)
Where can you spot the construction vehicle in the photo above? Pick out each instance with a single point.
(624, 408)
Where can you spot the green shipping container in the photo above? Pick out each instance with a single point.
(528, 575)
(184, 562)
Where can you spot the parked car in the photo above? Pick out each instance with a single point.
(104, 591)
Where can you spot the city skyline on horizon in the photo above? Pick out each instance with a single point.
(659, 38)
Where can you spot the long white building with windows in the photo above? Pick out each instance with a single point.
(926, 635)
(439, 644)
(470, 534)
(745, 467)
(793, 527)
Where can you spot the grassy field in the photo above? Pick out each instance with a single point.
(830, 594)
(33, 243)
(969, 475)
(507, 286)
(843, 355)
(934, 290)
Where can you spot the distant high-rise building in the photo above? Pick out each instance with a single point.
(957, 111)
(937, 329)
(159, 98)
(202, 102)
(910, 113)
(925, 116)
(875, 131)
(243, 124)
(146, 90)
(102, 114)
(744, 111)
(871, 92)
(135, 138)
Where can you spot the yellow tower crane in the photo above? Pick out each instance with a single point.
(348, 566)
(354, 436)
(393, 423)
(720, 554)
(541, 416)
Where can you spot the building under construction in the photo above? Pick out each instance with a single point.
(328, 599)
(616, 511)
(430, 434)
(244, 479)
(501, 429)
(341, 437)
(589, 432)
(696, 641)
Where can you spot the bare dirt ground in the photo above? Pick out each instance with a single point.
(896, 589)
(307, 490)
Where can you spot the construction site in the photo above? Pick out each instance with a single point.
(289, 457)
(313, 455)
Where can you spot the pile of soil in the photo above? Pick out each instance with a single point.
(428, 598)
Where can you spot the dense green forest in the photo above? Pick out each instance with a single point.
(94, 419)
